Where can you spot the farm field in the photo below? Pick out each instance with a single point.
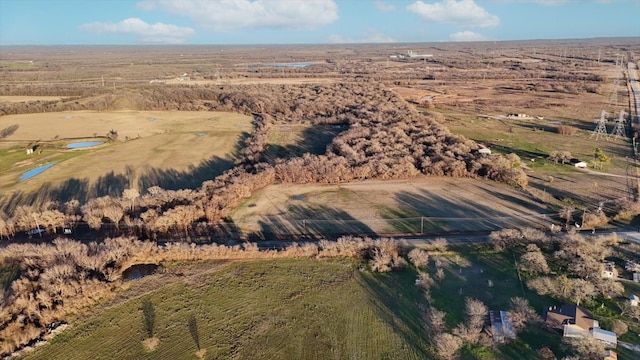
(394, 206)
(290, 309)
(167, 148)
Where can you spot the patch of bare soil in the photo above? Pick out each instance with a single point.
(150, 344)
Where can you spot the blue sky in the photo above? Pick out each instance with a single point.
(68, 22)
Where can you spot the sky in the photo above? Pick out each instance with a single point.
(224, 22)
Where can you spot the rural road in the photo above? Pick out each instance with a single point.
(625, 234)
(629, 346)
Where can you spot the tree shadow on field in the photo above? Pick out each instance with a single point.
(113, 184)
(149, 317)
(449, 212)
(313, 140)
(395, 297)
(522, 154)
(193, 330)
(314, 221)
(192, 178)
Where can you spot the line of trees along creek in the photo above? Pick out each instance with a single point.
(385, 139)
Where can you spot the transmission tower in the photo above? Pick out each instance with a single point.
(601, 126)
(619, 131)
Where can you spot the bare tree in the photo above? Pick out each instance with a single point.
(131, 195)
(425, 281)
(447, 345)
(566, 213)
(534, 262)
(521, 314)
(434, 321)
(581, 290)
(477, 314)
(506, 238)
(419, 257)
(619, 327)
(476, 311)
(586, 347)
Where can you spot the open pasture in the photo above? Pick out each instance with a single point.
(289, 309)
(128, 124)
(169, 149)
(420, 205)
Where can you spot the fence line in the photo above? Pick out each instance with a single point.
(278, 227)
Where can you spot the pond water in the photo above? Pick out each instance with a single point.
(139, 271)
(295, 64)
(84, 144)
(299, 64)
(33, 172)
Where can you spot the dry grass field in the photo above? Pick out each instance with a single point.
(153, 147)
(424, 204)
(11, 99)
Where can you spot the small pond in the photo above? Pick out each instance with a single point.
(139, 271)
(84, 144)
(296, 64)
(33, 172)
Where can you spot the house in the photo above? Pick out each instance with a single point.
(576, 321)
(609, 338)
(501, 327)
(610, 355)
(609, 270)
(578, 317)
(636, 277)
(634, 300)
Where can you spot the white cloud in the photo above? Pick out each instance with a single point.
(463, 13)
(467, 36)
(383, 6)
(149, 33)
(370, 37)
(229, 15)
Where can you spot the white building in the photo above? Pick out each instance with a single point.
(609, 270)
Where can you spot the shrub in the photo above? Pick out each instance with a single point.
(566, 130)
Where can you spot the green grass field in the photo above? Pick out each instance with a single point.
(288, 309)
(536, 139)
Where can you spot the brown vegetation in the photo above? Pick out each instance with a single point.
(567, 130)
